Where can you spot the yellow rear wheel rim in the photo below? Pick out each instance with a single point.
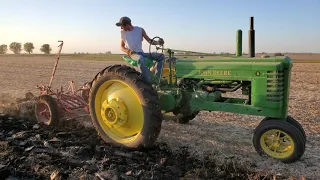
(277, 143)
(119, 111)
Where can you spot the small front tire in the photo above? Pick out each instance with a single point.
(297, 125)
(292, 121)
(278, 147)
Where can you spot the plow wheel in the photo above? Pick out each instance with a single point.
(280, 140)
(124, 109)
(47, 111)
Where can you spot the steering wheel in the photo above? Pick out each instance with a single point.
(157, 48)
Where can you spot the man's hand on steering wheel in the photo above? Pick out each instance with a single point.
(159, 46)
(160, 42)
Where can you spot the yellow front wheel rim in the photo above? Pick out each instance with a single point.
(277, 143)
(119, 111)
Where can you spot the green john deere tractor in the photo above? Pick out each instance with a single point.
(126, 110)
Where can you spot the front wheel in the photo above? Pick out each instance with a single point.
(124, 108)
(294, 122)
(279, 139)
(297, 125)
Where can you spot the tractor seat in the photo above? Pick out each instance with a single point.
(149, 62)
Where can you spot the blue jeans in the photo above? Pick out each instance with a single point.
(140, 57)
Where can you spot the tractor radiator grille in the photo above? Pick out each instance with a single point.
(275, 86)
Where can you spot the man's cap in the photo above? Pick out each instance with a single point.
(123, 21)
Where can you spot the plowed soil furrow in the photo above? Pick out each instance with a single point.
(31, 151)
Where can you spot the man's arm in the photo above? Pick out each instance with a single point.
(124, 49)
(147, 38)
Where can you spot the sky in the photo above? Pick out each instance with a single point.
(195, 25)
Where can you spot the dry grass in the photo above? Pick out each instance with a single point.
(223, 136)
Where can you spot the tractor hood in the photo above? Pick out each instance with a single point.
(230, 67)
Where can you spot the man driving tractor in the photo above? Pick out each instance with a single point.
(132, 37)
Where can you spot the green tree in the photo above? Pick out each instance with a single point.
(3, 49)
(46, 48)
(278, 54)
(15, 47)
(28, 47)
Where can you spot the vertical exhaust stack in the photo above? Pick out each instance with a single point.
(251, 39)
(239, 43)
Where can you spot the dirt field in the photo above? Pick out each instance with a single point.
(225, 137)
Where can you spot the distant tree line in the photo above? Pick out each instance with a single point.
(28, 47)
(108, 52)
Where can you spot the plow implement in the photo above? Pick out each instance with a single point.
(54, 105)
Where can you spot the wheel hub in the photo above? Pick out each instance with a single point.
(114, 112)
(111, 114)
(43, 111)
(276, 144)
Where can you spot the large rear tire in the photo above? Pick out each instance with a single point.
(124, 108)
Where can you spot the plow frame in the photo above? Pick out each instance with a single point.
(68, 100)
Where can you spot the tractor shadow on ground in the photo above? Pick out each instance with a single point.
(222, 137)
